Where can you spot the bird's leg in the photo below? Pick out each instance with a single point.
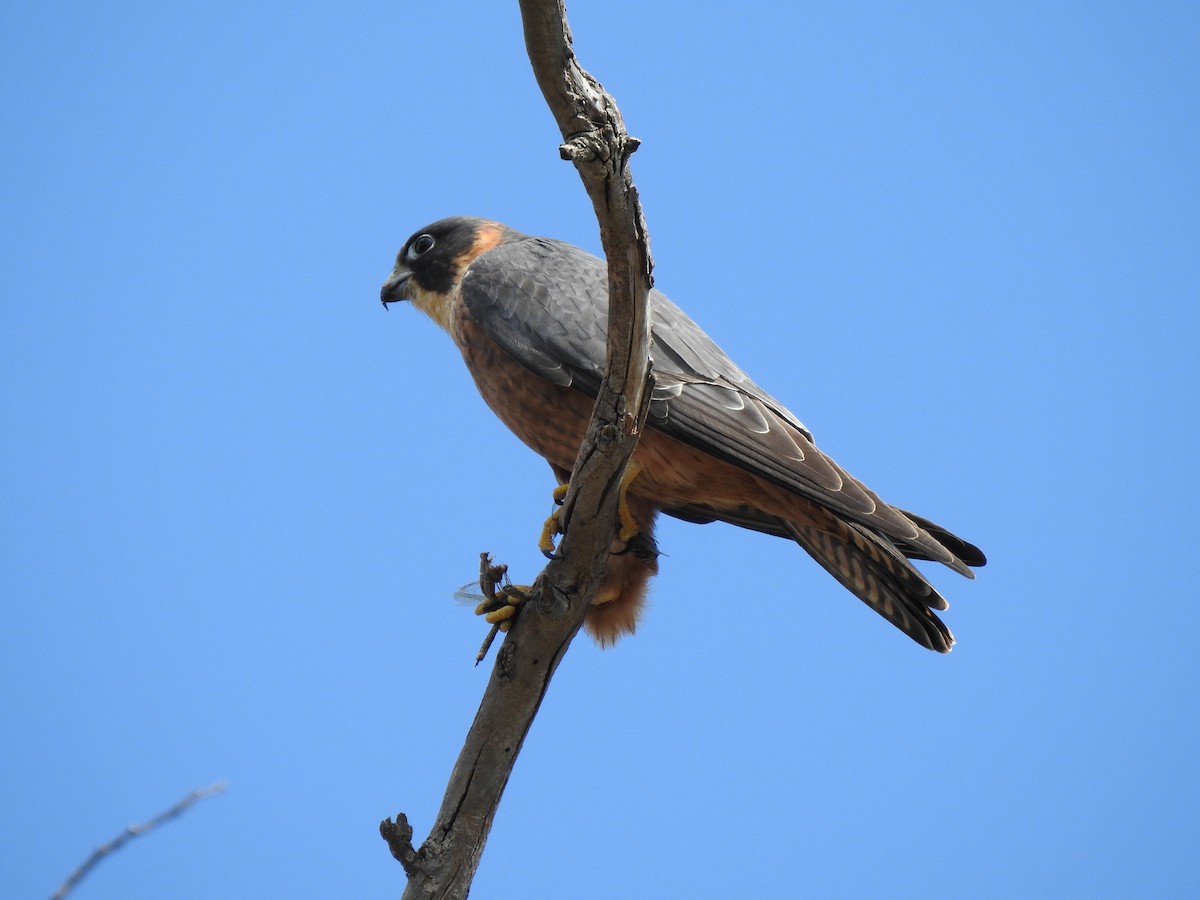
(627, 530)
(552, 527)
(629, 527)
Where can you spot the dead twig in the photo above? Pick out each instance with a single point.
(134, 831)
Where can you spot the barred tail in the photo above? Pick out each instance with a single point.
(871, 567)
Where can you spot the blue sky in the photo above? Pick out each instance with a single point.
(961, 242)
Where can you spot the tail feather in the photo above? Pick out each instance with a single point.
(951, 550)
(964, 550)
(876, 572)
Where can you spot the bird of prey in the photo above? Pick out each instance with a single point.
(529, 315)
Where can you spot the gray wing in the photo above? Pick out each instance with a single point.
(546, 303)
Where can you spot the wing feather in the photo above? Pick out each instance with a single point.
(546, 304)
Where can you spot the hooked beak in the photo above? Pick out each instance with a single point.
(396, 287)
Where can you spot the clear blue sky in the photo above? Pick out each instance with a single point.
(961, 242)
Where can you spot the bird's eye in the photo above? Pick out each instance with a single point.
(421, 246)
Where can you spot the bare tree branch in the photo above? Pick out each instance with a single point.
(596, 142)
(134, 831)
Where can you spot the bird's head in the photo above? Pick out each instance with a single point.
(431, 263)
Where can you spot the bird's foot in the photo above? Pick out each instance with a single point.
(628, 528)
(501, 601)
(552, 527)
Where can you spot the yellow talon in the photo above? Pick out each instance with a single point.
(503, 614)
(550, 529)
(501, 600)
(628, 529)
(502, 604)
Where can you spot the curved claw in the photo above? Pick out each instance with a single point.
(551, 528)
(628, 528)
